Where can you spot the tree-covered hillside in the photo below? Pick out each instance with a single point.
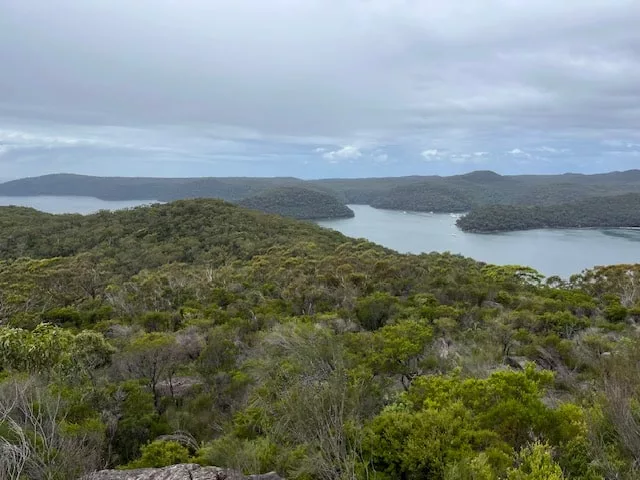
(477, 189)
(192, 231)
(297, 202)
(426, 197)
(430, 193)
(198, 331)
(616, 211)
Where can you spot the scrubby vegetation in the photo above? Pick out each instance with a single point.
(617, 211)
(300, 203)
(198, 331)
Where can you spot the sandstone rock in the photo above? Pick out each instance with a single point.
(442, 348)
(490, 304)
(178, 472)
(519, 363)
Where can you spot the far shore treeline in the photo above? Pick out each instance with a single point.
(497, 203)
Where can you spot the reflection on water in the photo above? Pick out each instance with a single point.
(631, 234)
(552, 252)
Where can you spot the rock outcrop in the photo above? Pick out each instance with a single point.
(178, 472)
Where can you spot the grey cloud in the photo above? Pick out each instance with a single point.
(189, 62)
(201, 77)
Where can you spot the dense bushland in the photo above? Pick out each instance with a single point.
(198, 331)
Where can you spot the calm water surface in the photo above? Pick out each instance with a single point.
(82, 205)
(552, 252)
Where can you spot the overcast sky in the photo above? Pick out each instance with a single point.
(318, 88)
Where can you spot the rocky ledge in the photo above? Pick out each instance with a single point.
(179, 472)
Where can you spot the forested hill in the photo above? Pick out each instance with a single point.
(204, 230)
(615, 211)
(297, 202)
(432, 197)
(464, 192)
(201, 332)
(431, 193)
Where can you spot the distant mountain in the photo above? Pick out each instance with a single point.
(482, 176)
(142, 188)
(464, 192)
(300, 203)
(422, 193)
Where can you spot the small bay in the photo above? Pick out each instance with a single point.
(552, 252)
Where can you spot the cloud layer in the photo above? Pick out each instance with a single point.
(318, 87)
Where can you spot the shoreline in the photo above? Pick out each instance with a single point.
(489, 232)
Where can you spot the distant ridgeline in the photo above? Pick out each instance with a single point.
(327, 198)
(289, 197)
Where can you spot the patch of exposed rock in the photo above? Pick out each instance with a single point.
(178, 386)
(179, 472)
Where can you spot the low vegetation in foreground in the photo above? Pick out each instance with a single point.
(198, 331)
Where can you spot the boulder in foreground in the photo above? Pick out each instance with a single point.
(178, 472)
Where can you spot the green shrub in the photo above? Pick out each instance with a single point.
(160, 453)
(616, 313)
(375, 310)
